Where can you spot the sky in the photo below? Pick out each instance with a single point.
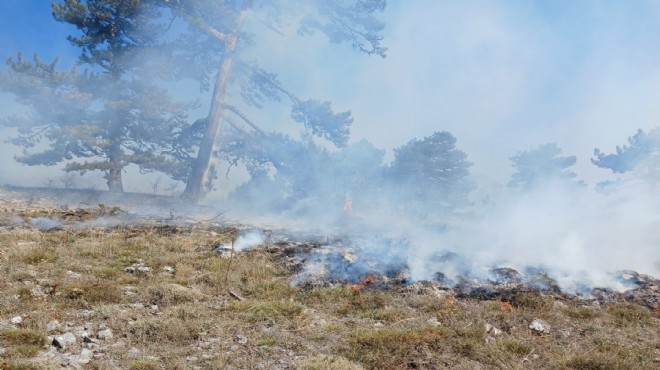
(502, 76)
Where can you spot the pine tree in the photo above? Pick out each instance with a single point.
(111, 115)
(212, 53)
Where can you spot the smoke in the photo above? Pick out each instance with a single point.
(249, 239)
(45, 223)
(501, 77)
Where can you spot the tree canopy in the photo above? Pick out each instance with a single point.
(541, 165)
(432, 172)
(640, 155)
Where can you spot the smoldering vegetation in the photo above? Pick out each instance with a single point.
(413, 213)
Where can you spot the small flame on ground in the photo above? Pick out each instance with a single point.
(357, 288)
(506, 307)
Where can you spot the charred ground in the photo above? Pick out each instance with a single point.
(103, 287)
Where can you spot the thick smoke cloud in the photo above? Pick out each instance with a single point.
(502, 77)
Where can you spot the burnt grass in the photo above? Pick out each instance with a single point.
(172, 302)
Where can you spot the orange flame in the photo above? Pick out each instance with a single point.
(506, 307)
(357, 288)
(348, 204)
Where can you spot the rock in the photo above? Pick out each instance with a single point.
(168, 269)
(539, 326)
(433, 322)
(130, 269)
(144, 269)
(53, 325)
(64, 341)
(105, 334)
(241, 339)
(72, 274)
(85, 356)
(16, 320)
(490, 329)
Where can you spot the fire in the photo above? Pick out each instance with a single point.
(348, 204)
(357, 288)
(506, 307)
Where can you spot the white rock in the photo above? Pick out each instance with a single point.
(16, 320)
(490, 329)
(144, 269)
(105, 334)
(168, 269)
(53, 325)
(65, 340)
(85, 356)
(134, 352)
(539, 326)
(241, 339)
(74, 275)
(433, 322)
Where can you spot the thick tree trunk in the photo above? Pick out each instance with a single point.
(195, 183)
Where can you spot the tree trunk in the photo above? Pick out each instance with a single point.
(113, 175)
(195, 183)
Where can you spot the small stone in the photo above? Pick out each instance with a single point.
(489, 339)
(241, 339)
(168, 269)
(74, 275)
(144, 269)
(539, 326)
(105, 334)
(86, 339)
(16, 320)
(192, 358)
(492, 330)
(379, 325)
(433, 322)
(134, 352)
(130, 269)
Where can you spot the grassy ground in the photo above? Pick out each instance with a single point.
(178, 314)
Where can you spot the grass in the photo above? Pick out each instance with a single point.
(185, 318)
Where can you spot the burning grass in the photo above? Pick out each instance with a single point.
(164, 294)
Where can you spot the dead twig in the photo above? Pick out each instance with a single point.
(235, 296)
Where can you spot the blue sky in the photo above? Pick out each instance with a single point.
(502, 76)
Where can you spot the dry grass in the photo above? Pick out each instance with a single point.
(179, 314)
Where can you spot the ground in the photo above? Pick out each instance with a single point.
(105, 289)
